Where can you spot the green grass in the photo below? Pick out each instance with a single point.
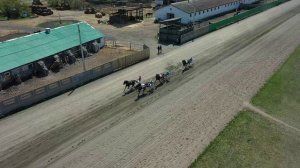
(280, 96)
(2, 18)
(237, 144)
(253, 141)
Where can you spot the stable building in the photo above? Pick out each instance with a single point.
(127, 14)
(198, 10)
(34, 54)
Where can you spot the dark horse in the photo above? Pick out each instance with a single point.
(187, 64)
(129, 84)
(162, 77)
(141, 87)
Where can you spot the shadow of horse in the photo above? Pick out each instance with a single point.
(129, 91)
(185, 69)
(159, 85)
(141, 96)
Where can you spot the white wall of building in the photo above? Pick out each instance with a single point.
(214, 11)
(161, 14)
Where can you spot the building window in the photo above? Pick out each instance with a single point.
(170, 9)
(190, 15)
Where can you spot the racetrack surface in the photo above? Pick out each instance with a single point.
(96, 126)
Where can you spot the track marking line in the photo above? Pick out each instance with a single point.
(261, 112)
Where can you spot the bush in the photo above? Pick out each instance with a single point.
(14, 9)
(74, 4)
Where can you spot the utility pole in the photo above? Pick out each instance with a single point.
(194, 23)
(82, 56)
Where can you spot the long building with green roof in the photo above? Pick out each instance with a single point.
(27, 49)
(18, 56)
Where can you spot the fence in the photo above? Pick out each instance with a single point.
(37, 95)
(194, 34)
(126, 44)
(236, 18)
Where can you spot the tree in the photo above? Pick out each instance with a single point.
(13, 8)
(74, 4)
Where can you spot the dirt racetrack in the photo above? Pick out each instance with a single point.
(97, 127)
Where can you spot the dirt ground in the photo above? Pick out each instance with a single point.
(97, 127)
(105, 55)
(139, 33)
(7, 35)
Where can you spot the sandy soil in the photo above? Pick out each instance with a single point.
(105, 55)
(97, 127)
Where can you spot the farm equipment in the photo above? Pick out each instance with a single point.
(98, 15)
(93, 47)
(57, 64)
(38, 8)
(67, 57)
(90, 10)
(41, 69)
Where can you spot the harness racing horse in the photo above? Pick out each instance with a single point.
(162, 77)
(129, 84)
(187, 64)
(141, 87)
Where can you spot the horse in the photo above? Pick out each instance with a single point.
(129, 84)
(187, 64)
(141, 87)
(162, 77)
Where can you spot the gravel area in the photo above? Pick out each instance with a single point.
(97, 127)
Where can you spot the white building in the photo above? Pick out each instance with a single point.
(165, 2)
(195, 10)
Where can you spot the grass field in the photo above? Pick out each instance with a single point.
(281, 95)
(251, 140)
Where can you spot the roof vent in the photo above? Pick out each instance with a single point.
(47, 30)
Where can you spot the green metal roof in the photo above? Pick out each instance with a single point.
(30, 48)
